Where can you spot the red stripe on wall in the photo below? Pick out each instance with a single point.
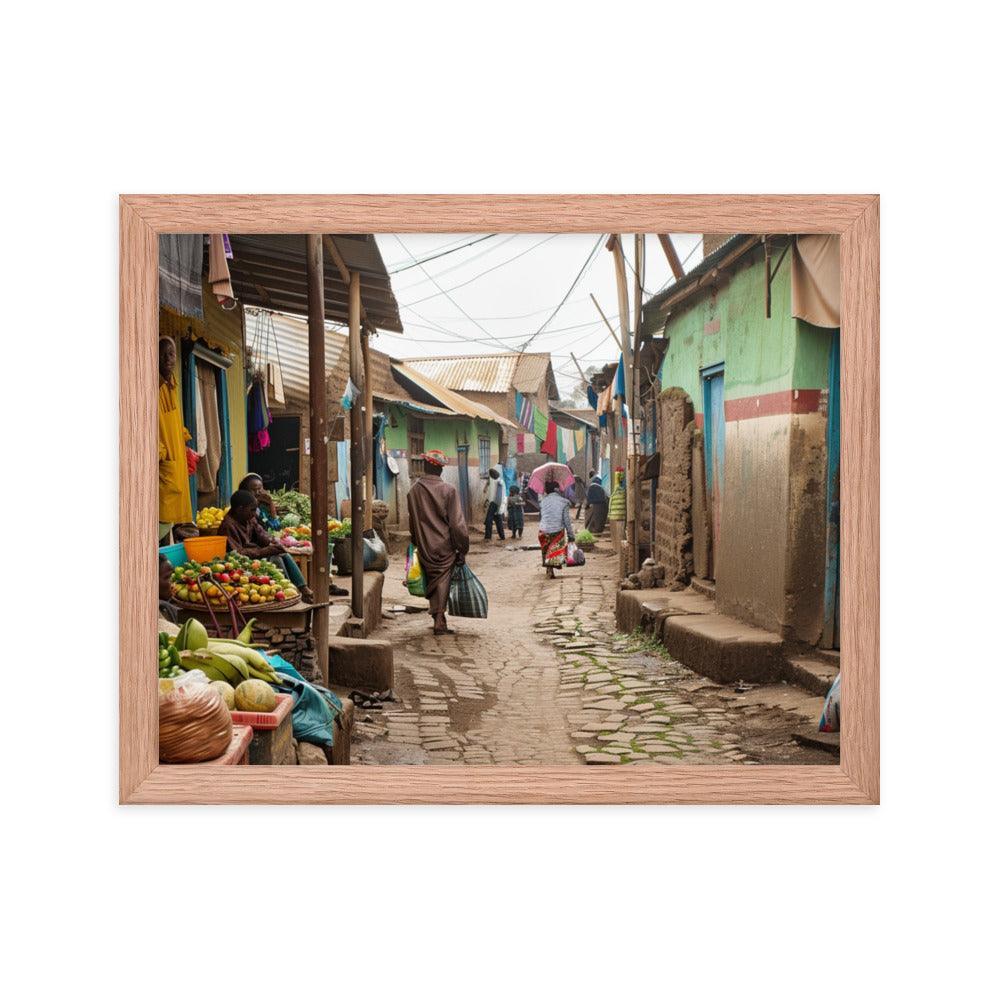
(773, 404)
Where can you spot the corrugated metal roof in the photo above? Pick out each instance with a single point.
(453, 400)
(270, 271)
(292, 336)
(490, 372)
(588, 416)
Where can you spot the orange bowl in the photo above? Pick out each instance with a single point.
(205, 547)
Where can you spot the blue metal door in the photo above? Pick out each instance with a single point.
(712, 380)
(831, 589)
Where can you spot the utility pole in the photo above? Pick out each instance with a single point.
(369, 451)
(636, 502)
(319, 573)
(615, 246)
(357, 448)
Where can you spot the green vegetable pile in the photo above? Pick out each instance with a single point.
(291, 502)
(170, 658)
(584, 537)
(344, 531)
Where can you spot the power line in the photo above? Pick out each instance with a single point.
(443, 253)
(446, 295)
(583, 270)
(460, 264)
(476, 277)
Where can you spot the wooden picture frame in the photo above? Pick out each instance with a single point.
(854, 217)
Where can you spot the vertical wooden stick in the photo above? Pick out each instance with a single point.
(319, 574)
(357, 448)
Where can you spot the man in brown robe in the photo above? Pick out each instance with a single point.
(438, 530)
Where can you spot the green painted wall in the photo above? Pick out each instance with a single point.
(761, 355)
(444, 434)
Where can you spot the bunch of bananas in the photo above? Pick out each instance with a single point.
(230, 660)
(209, 518)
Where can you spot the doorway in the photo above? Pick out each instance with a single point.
(205, 403)
(278, 464)
(463, 479)
(831, 587)
(713, 385)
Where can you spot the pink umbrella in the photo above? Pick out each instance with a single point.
(548, 472)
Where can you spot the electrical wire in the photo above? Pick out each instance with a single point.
(583, 270)
(448, 297)
(476, 277)
(443, 253)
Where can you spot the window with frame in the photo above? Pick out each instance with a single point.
(484, 457)
(415, 435)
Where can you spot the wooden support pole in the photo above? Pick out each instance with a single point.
(671, 253)
(319, 570)
(357, 371)
(635, 500)
(630, 485)
(606, 323)
(368, 439)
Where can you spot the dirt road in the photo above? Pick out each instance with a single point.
(546, 680)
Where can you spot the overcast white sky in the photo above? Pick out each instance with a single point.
(502, 290)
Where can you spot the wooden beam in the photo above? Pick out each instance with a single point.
(621, 280)
(366, 430)
(319, 570)
(671, 254)
(357, 372)
(345, 273)
(635, 499)
(606, 323)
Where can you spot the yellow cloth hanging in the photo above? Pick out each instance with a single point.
(175, 494)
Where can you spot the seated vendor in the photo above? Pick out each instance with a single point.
(247, 536)
(267, 513)
(167, 610)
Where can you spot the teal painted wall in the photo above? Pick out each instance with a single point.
(770, 549)
(761, 355)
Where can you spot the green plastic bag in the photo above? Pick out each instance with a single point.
(416, 582)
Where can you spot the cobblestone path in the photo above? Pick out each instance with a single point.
(546, 680)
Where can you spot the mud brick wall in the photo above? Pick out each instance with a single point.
(675, 428)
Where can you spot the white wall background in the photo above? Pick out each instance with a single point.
(519, 97)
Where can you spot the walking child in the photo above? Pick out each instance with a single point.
(515, 512)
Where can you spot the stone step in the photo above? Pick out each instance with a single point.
(724, 649)
(365, 664)
(811, 673)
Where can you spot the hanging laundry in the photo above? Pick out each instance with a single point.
(258, 417)
(620, 378)
(181, 256)
(218, 271)
(549, 445)
(525, 411)
(580, 439)
(350, 394)
(568, 443)
(540, 425)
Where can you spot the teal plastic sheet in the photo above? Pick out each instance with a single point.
(315, 709)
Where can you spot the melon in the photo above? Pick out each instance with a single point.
(255, 696)
(227, 692)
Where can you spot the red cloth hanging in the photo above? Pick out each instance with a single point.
(550, 447)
